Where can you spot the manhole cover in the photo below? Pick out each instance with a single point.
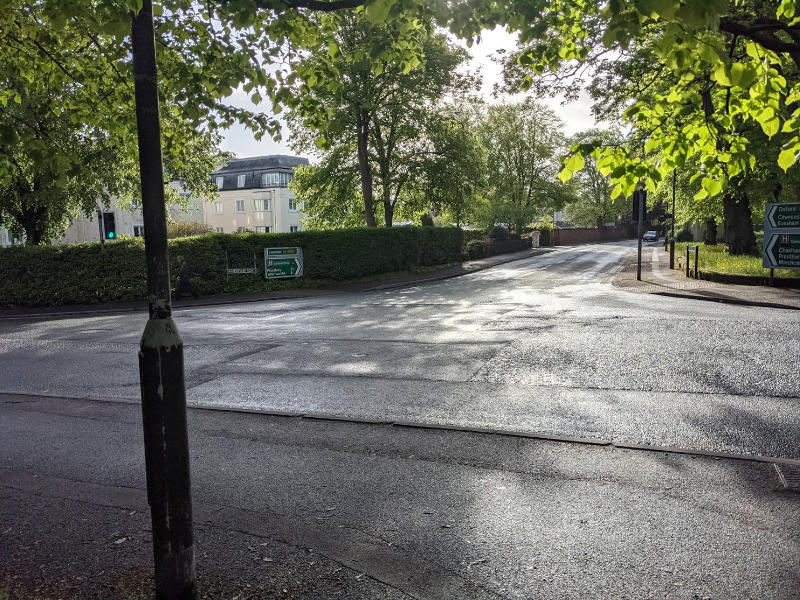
(789, 476)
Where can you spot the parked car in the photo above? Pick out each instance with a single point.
(650, 236)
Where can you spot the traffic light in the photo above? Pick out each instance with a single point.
(109, 227)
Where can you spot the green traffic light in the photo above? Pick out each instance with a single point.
(111, 235)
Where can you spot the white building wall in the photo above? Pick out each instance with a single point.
(7, 239)
(248, 215)
(87, 229)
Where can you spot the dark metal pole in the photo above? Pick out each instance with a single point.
(102, 227)
(696, 259)
(687, 260)
(161, 351)
(672, 237)
(640, 199)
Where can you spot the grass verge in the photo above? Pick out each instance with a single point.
(715, 259)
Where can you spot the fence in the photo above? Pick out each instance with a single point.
(566, 237)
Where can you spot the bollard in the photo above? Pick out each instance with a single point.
(687, 260)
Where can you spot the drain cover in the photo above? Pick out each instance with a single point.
(789, 477)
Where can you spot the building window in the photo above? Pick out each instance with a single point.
(240, 181)
(263, 202)
(219, 229)
(138, 230)
(240, 206)
(241, 229)
(13, 241)
(275, 179)
(220, 182)
(294, 228)
(292, 205)
(218, 207)
(262, 229)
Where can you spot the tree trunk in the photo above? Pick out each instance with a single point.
(366, 170)
(388, 213)
(739, 235)
(711, 232)
(33, 221)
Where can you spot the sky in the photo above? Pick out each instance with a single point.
(576, 115)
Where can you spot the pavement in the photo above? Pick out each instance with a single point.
(529, 430)
(658, 278)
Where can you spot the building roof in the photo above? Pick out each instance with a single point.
(273, 162)
(255, 172)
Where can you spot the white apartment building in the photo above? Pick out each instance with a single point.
(253, 196)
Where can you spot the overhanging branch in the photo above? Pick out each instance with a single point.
(318, 5)
(762, 33)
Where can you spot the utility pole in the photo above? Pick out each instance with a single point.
(161, 352)
(672, 237)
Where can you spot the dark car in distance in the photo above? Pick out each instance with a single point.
(650, 236)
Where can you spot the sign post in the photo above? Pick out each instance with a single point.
(282, 263)
(781, 236)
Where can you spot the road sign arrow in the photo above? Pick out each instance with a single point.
(783, 215)
(782, 250)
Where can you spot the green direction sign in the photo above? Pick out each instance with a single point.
(783, 215)
(283, 262)
(782, 250)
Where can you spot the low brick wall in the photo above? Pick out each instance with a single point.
(566, 237)
(506, 246)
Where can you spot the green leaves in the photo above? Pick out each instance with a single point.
(769, 121)
(378, 10)
(710, 187)
(787, 157)
(572, 164)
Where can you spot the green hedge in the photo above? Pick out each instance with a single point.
(87, 273)
(475, 234)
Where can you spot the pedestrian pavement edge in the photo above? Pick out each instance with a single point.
(659, 280)
(432, 426)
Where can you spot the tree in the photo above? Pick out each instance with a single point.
(594, 204)
(524, 141)
(730, 65)
(376, 121)
(330, 191)
(454, 175)
(66, 141)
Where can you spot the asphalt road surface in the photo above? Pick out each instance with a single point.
(361, 508)
(544, 345)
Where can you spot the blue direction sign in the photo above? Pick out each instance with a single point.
(280, 263)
